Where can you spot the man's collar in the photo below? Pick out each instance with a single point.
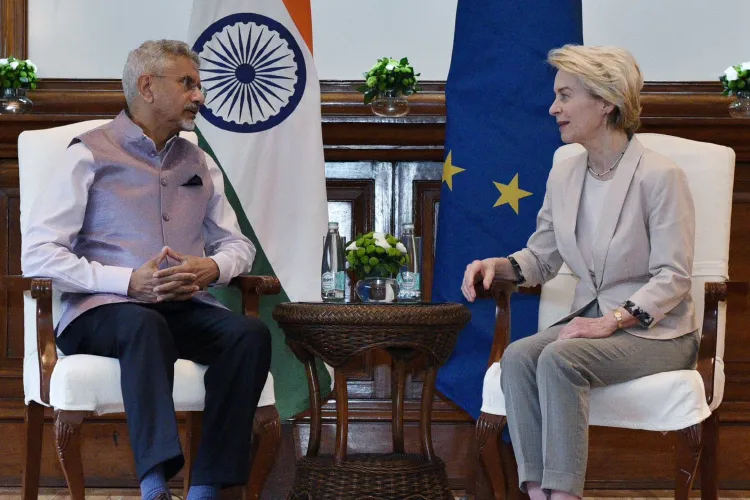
(124, 124)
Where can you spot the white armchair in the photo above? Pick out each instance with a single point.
(685, 401)
(80, 385)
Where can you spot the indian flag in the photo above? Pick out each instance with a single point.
(261, 123)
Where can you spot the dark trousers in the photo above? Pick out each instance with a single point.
(147, 339)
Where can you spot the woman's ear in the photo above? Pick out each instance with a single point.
(608, 107)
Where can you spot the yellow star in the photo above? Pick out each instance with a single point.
(510, 194)
(449, 170)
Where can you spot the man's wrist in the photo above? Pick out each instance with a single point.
(215, 271)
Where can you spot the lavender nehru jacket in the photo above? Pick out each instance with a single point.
(137, 204)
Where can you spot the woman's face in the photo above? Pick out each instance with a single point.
(580, 116)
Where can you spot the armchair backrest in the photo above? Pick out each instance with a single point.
(710, 173)
(38, 152)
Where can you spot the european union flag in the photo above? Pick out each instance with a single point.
(499, 145)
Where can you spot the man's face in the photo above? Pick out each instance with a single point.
(177, 94)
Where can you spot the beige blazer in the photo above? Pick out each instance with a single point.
(643, 247)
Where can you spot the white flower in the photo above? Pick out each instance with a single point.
(31, 64)
(382, 244)
(731, 74)
(3, 61)
(14, 65)
(400, 247)
(378, 236)
(352, 246)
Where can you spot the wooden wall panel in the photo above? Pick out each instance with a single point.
(13, 27)
(620, 459)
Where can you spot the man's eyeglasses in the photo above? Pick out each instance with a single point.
(188, 84)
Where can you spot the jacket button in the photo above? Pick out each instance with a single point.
(165, 216)
(164, 182)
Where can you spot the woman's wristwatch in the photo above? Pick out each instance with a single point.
(618, 317)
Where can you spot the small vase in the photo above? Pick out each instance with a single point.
(377, 289)
(14, 101)
(390, 103)
(741, 107)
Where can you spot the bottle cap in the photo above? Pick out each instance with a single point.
(333, 225)
(408, 226)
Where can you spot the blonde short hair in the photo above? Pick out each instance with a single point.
(151, 57)
(608, 73)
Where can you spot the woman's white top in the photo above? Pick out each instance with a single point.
(593, 198)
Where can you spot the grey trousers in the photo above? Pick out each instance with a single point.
(546, 383)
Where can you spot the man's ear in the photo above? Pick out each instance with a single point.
(144, 88)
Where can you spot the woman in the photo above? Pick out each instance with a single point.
(621, 217)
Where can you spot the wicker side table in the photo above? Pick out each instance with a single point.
(336, 333)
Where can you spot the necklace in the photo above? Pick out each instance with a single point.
(617, 161)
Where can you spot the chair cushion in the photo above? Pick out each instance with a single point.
(665, 401)
(92, 383)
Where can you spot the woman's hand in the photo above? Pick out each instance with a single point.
(479, 269)
(589, 328)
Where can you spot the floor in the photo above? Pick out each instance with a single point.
(111, 494)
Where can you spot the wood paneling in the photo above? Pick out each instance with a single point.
(621, 459)
(427, 197)
(13, 27)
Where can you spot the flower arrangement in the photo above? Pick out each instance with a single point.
(389, 75)
(16, 73)
(736, 78)
(376, 254)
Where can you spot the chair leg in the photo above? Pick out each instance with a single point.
(266, 445)
(688, 455)
(68, 441)
(510, 473)
(488, 436)
(194, 430)
(32, 453)
(709, 458)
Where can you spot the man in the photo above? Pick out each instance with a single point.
(123, 231)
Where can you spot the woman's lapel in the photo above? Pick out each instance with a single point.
(613, 206)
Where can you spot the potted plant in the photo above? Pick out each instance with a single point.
(736, 81)
(375, 259)
(387, 84)
(16, 77)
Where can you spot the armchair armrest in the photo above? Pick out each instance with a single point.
(41, 290)
(501, 291)
(715, 292)
(252, 287)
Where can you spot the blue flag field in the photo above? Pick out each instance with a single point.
(498, 152)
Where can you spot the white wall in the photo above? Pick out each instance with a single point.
(673, 40)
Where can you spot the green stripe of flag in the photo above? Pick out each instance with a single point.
(290, 381)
